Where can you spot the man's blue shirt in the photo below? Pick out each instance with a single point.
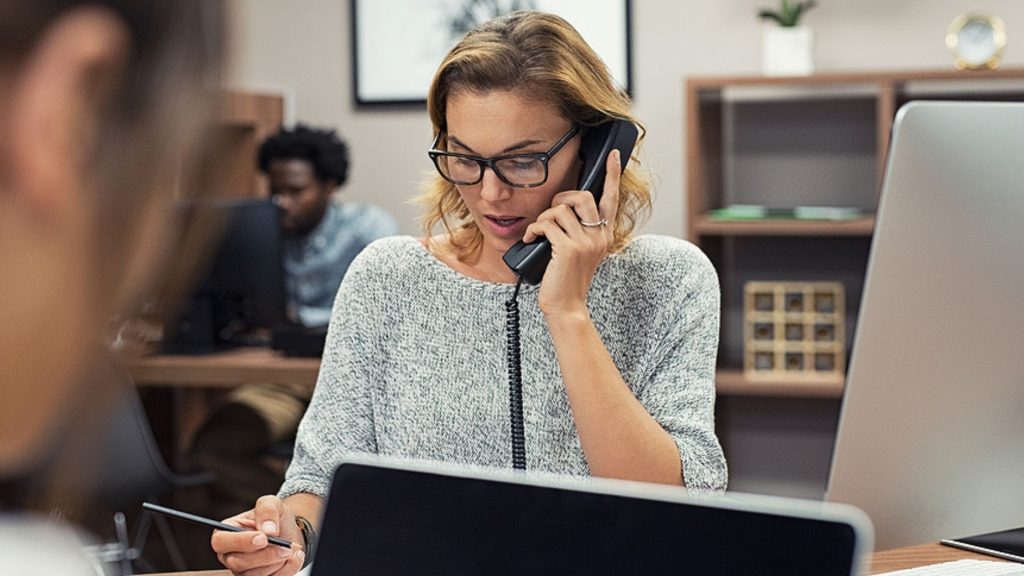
(315, 264)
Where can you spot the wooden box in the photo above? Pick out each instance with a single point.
(794, 330)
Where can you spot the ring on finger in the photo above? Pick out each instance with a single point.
(600, 223)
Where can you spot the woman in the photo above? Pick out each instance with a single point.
(618, 340)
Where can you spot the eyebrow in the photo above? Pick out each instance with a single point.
(517, 146)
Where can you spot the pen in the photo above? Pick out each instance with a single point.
(208, 522)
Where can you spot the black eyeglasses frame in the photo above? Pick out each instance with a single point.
(544, 157)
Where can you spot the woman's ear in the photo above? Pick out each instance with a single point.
(56, 98)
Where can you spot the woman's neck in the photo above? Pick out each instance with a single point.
(483, 264)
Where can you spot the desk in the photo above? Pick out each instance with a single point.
(881, 562)
(914, 556)
(222, 369)
(200, 379)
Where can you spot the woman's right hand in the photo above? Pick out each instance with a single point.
(249, 553)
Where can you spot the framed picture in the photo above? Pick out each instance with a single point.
(398, 44)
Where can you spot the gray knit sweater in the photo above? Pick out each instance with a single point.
(414, 365)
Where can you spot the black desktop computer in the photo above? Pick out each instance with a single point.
(296, 340)
(239, 296)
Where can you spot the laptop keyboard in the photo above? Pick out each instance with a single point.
(963, 568)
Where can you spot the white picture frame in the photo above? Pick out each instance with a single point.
(398, 44)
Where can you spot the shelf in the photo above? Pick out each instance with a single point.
(776, 93)
(245, 120)
(818, 80)
(732, 382)
(863, 226)
(820, 140)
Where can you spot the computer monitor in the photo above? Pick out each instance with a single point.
(241, 294)
(931, 434)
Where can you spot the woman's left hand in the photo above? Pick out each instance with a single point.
(576, 249)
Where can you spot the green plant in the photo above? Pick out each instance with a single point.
(788, 14)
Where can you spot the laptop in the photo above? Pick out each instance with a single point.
(387, 518)
(930, 436)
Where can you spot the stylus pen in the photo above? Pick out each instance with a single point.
(208, 522)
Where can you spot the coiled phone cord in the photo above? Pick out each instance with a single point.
(515, 379)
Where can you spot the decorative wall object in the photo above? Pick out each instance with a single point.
(398, 44)
(788, 48)
(794, 330)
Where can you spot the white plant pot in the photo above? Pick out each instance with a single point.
(787, 51)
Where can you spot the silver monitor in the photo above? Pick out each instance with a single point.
(931, 434)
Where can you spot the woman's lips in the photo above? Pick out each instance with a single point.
(506, 226)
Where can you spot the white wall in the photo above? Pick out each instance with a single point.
(302, 48)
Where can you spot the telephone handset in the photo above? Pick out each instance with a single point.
(529, 261)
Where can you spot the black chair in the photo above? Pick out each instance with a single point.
(134, 471)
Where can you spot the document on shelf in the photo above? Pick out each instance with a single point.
(758, 212)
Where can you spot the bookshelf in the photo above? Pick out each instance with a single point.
(781, 143)
(818, 140)
(245, 120)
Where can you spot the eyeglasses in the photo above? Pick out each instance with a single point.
(516, 170)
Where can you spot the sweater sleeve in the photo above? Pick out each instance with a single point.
(680, 389)
(339, 420)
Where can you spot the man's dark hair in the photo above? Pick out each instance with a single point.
(322, 148)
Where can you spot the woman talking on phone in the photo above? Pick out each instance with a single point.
(618, 341)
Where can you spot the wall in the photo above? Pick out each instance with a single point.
(302, 48)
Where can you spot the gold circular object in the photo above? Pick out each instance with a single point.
(977, 40)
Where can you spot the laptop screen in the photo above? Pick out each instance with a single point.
(389, 521)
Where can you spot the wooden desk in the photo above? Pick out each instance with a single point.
(196, 376)
(914, 556)
(222, 369)
(200, 380)
(881, 562)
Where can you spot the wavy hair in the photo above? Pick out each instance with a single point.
(542, 56)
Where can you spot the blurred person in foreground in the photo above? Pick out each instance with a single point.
(102, 105)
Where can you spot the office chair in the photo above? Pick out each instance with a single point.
(133, 470)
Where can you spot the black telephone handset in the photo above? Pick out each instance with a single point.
(529, 261)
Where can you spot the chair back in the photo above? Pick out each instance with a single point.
(133, 469)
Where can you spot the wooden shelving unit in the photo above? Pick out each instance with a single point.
(245, 120)
(704, 226)
(732, 382)
(820, 141)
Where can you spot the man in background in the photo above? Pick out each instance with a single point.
(323, 235)
(304, 166)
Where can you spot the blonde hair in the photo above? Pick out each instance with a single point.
(545, 58)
